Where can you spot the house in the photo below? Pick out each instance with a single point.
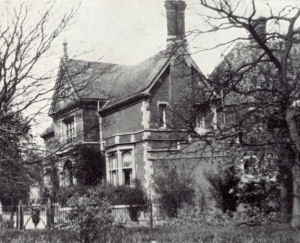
(138, 116)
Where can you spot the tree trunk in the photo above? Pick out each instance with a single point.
(295, 222)
(286, 182)
(291, 118)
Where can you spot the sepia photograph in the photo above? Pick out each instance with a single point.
(150, 121)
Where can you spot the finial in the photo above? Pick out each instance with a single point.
(65, 45)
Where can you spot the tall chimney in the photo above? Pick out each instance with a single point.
(175, 10)
(260, 26)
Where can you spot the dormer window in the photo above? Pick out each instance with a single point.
(162, 113)
(70, 129)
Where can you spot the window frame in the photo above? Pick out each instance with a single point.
(119, 150)
(162, 120)
(201, 125)
(70, 129)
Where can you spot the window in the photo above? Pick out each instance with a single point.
(162, 115)
(70, 129)
(120, 166)
(127, 167)
(206, 120)
(113, 168)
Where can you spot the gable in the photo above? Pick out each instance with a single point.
(82, 80)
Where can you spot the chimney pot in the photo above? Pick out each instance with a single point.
(65, 47)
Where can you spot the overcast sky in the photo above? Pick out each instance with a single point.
(129, 31)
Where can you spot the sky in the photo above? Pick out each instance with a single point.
(129, 31)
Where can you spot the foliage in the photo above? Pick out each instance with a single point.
(257, 83)
(173, 191)
(90, 215)
(125, 195)
(133, 196)
(52, 172)
(262, 194)
(90, 168)
(224, 187)
(174, 231)
(231, 188)
(35, 216)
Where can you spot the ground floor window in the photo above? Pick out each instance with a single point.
(121, 166)
(113, 168)
(127, 163)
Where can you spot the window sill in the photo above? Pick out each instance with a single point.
(202, 131)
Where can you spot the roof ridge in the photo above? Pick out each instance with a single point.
(97, 62)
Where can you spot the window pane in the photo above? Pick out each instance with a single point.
(127, 176)
(113, 162)
(162, 115)
(127, 159)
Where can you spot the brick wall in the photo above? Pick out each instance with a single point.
(127, 120)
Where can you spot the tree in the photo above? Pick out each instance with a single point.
(25, 38)
(255, 87)
(22, 47)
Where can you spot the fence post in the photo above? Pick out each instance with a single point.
(151, 214)
(21, 217)
(20, 220)
(50, 213)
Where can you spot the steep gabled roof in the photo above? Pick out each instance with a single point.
(113, 83)
(104, 81)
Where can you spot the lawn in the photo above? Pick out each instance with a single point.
(168, 233)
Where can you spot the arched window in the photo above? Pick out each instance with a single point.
(68, 174)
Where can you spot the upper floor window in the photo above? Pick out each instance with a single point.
(70, 129)
(206, 120)
(162, 109)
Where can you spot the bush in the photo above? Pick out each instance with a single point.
(173, 191)
(90, 216)
(224, 187)
(229, 189)
(262, 194)
(134, 196)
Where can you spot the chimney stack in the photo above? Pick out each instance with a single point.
(175, 10)
(260, 26)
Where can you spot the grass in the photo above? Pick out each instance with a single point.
(168, 233)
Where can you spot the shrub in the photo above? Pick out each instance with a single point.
(134, 196)
(90, 167)
(90, 216)
(173, 191)
(262, 194)
(224, 187)
(229, 188)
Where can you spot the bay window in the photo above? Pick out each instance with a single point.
(120, 166)
(113, 168)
